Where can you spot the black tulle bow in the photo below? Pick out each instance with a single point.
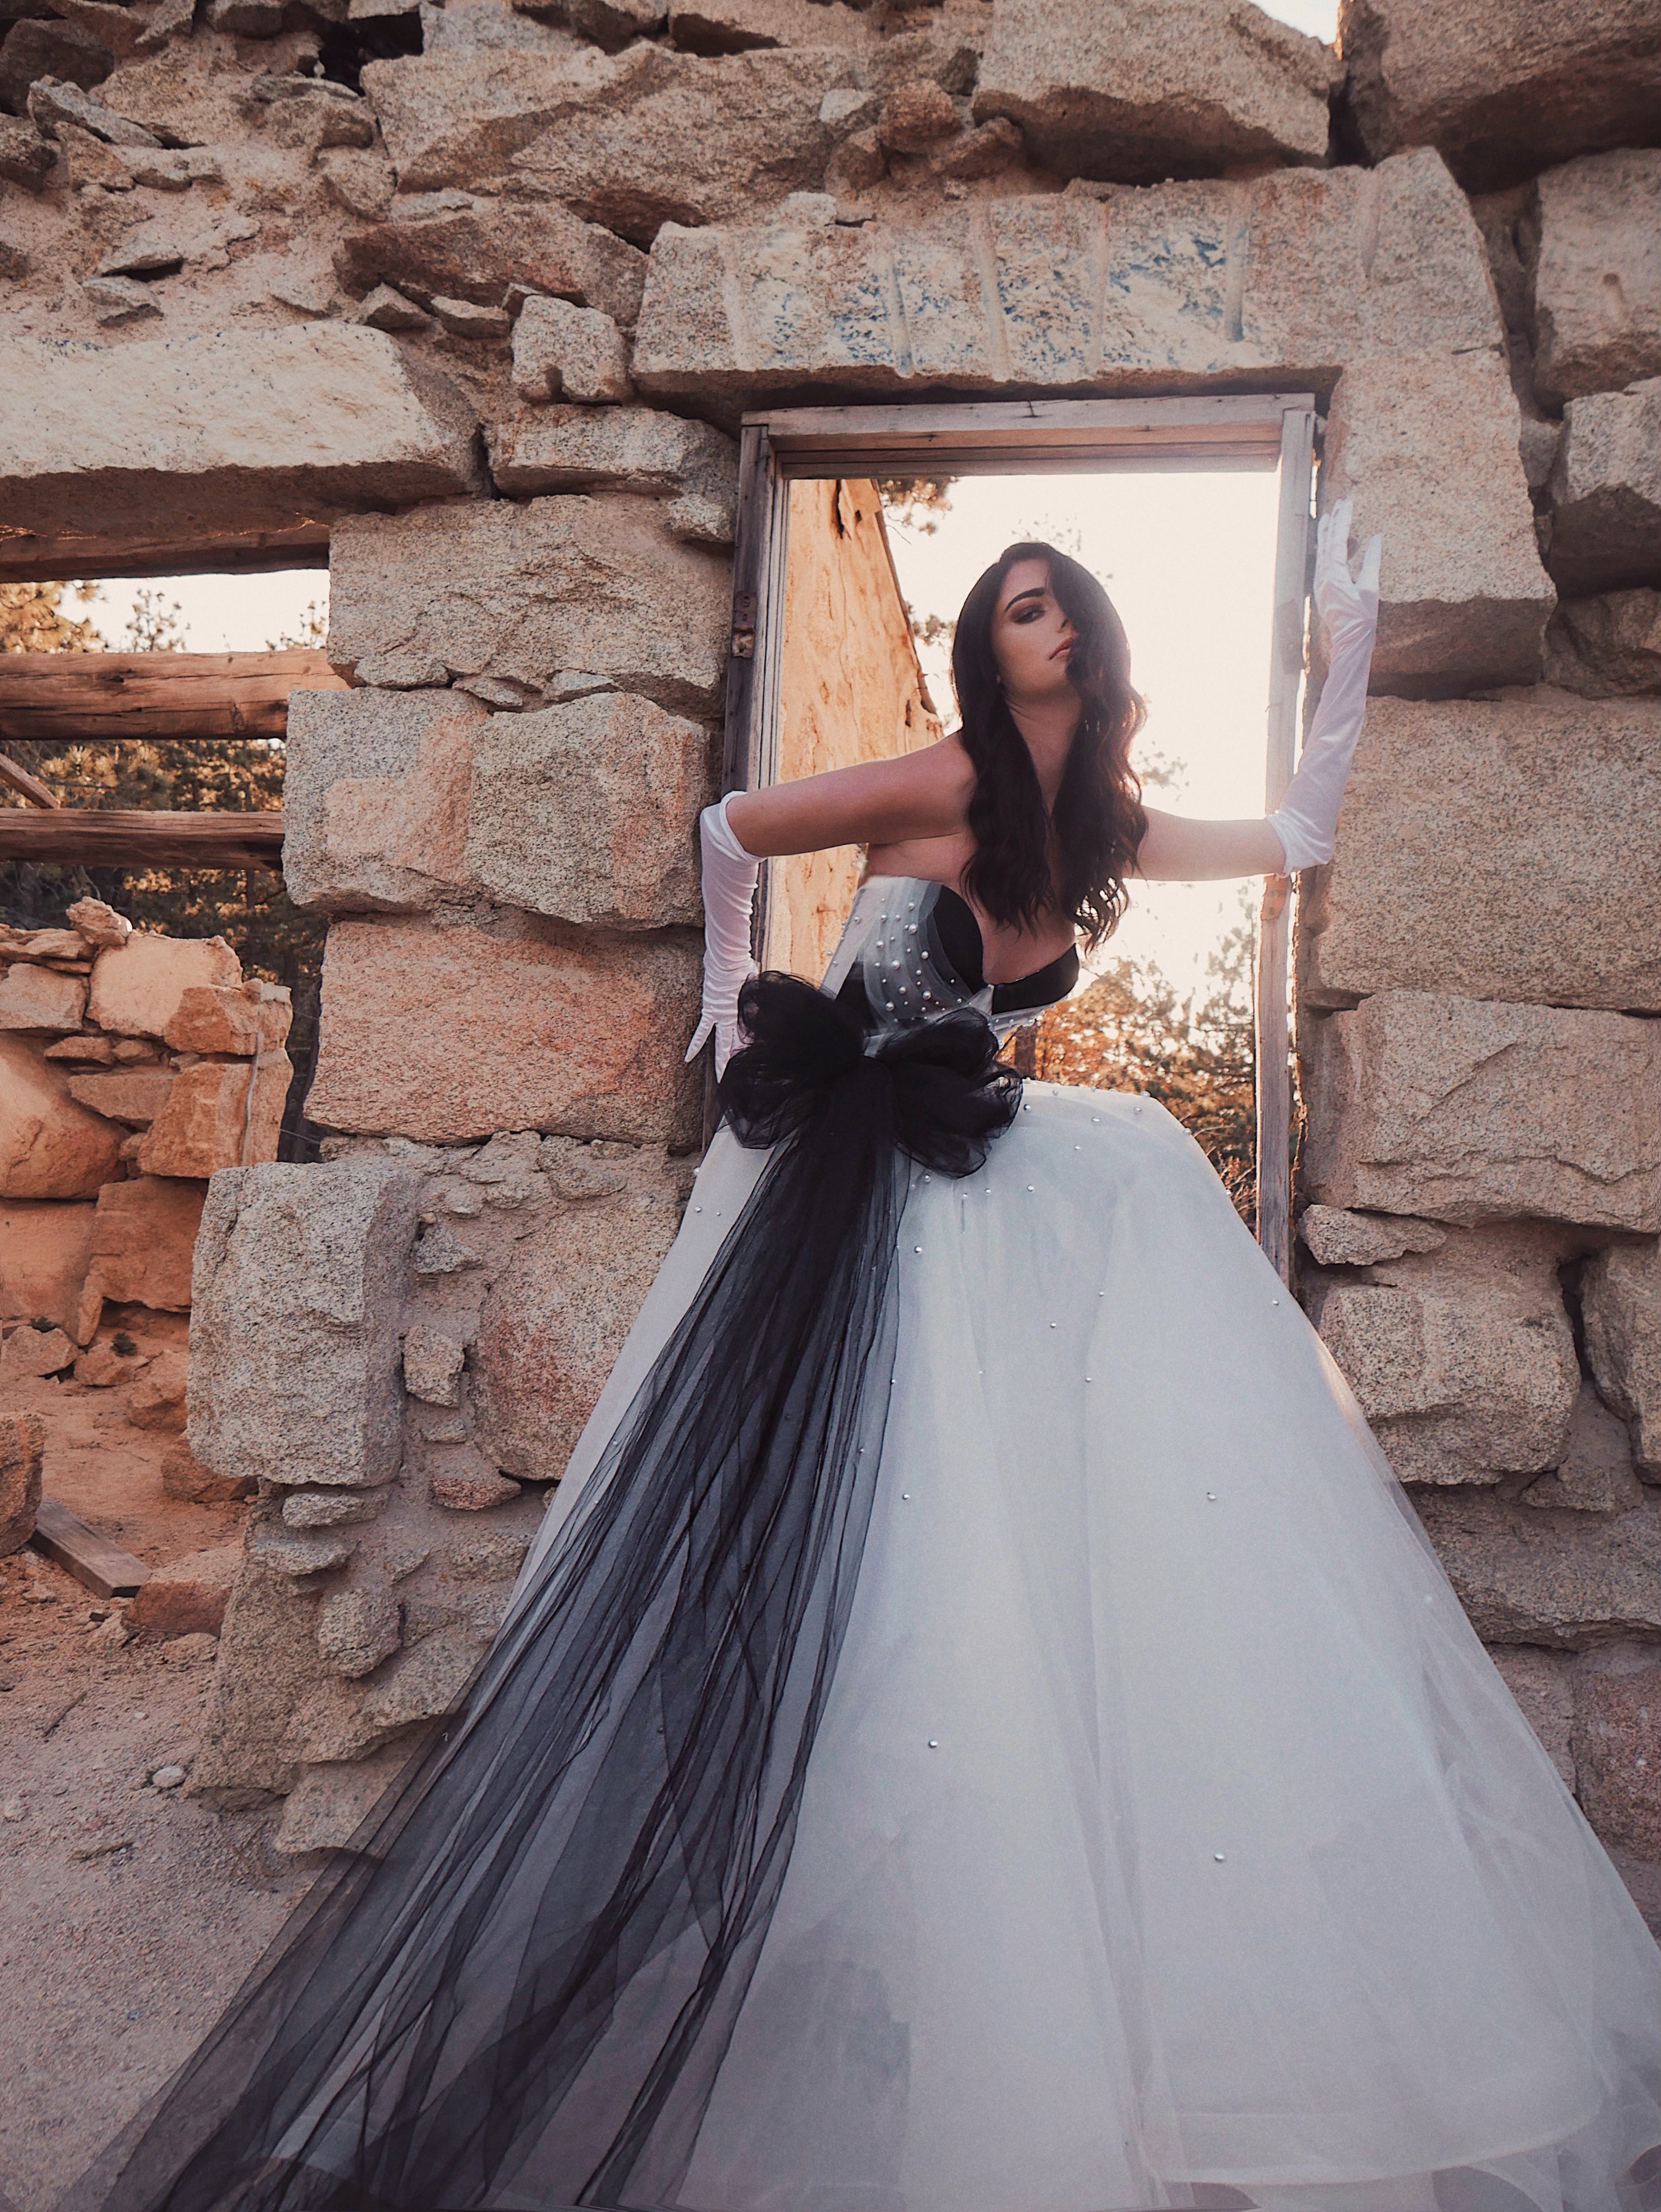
(936, 1088)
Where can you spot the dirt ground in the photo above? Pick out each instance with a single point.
(128, 1911)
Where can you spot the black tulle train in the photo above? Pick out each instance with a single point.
(517, 1988)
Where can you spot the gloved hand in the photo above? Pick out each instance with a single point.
(730, 876)
(1307, 820)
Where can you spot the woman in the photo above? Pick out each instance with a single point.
(980, 1730)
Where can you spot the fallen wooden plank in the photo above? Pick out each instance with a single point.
(67, 698)
(19, 779)
(26, 558)
(118, 837)
(104, 1567)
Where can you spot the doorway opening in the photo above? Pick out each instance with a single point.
(860, 530)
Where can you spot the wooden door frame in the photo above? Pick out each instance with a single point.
(1270, 430)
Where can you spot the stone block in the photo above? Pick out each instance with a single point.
(554, 1321)
(1497, 849)
(25, 157)
(217, 1018)
(447, 1034)
(269, 1662)
(1617, 1728)
(1465, 1110)
(588, 811)
(157, 1401)
(188, 1597)
(356, 1629)
(432, 1365)
(184, 1477)
(1620, 1300)
(49, 1146)
(611, 139)
(1465, 1362)
(32, 1351)
(1605, 492)
(23, 1447)
(97, 924)
(330, 1802)
(269, 429)
(297, 1299)
(1336, 1238)
(34, 997)
(465, 1484)
(219, 1113)
(1502, 93)
(1596, 1475)
(479, 249)
(137, 987)
(1143, 90)
(46, 1248)
(33, 49)
(734, 27)
(132, 1096)
(1542, 1683)
(1608, 647)
(691, 465)
(518, 592)
(1597, 276)
(1426, 447)
(1566, 1581)
(142, 1241)
(565, 352)
(1281, 277)
(375, 798)
(101, 1367)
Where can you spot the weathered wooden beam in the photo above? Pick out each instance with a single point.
(104, 1567)
(69, 698)
(19, 779)
(26, 558)
(123, 838)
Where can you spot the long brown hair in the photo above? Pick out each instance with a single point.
(1097, 819)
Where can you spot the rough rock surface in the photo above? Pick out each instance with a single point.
(554, 1321)
(690, 464)
(613, 137)
(1465, 1110)
(1273, 277)
(215, 1019)
(445, 1034)
(1542, 1683)
(520, 593)
(1503, 93)
(36, 998)
(156, 1399)
(44, 1251)
(562, 351)
(1596, 1475)
(1426, 447)
(35, 1351)
(132, 1096)
(1337, 1239)
(1139, 90)
(294, 1328)
(266, 430)
(1608, 647)
(475, 250)
(50, 1147)
(1501, 850)
(586, 812)
(1568, 1581)
(1605, 492)
(22, 1447)
(1622, 1303)
(218, 1114)
(1598, 274)
(186, 1597)
(375, 798)
(1463, 1361)
(1617, 1722)
(143, 1239)
(137, 986)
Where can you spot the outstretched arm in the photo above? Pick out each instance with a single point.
(1300, 832)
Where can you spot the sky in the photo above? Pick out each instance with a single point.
(1187, 559)
(1319, 17)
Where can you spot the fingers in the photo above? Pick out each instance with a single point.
(1371, 557)
(698, 1035)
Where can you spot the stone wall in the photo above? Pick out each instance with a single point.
(133, 1066)
(484, 311)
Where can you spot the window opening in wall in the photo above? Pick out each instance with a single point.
(862, 530)
(111, 745)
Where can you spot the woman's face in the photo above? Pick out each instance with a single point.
(1031, 636)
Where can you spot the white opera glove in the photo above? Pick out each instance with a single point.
(1306, 821)
(730, 876)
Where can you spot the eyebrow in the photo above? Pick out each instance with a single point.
(1033, 592)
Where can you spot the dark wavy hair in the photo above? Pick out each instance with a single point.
(1097, 816)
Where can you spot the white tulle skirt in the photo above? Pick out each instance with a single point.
(1169, 1839)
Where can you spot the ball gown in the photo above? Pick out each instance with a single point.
(981, 1729)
